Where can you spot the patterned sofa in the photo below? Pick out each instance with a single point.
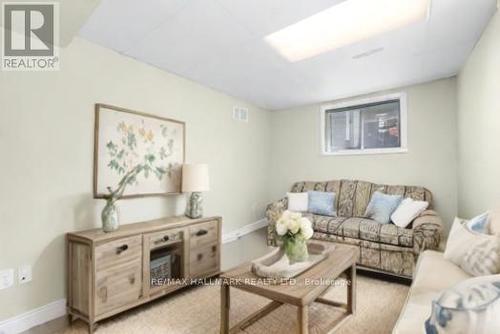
(385, 248)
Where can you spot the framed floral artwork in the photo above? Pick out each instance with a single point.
(126, 139)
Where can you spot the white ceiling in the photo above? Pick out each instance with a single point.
(219, 43)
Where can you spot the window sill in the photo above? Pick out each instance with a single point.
(368, 151)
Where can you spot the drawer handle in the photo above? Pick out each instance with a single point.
(214, 249)
(201, 232)
(103, 294)
(164, 239)
(200, 256)
(121, 249)
(132, 279)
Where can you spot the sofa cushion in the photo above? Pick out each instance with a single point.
(346, 198)
(363, 229)
(435, 273)
(392, 259)
(432, 275)
(395, 235)
(328, 225)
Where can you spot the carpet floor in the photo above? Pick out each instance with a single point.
(196, 311)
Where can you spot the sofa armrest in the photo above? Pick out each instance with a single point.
(273, 213)
(427, 230)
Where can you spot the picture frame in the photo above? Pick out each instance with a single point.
(124, 138)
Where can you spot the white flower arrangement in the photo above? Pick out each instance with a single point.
(293, 225)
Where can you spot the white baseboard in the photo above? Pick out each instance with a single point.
(57, 309)
(237, 234)
(30, 319)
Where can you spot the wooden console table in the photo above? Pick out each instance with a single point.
(111, 272)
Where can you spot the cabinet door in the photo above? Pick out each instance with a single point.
(204, 260)
(118, 273)
(118, 286)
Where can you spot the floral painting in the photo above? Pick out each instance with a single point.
(148, 147)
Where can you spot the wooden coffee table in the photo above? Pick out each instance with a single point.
(300, 292)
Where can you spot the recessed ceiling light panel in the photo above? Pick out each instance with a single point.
(346, 23)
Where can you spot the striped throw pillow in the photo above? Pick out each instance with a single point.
(482, 258)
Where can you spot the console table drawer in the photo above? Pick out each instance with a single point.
(203, 234)
(118, 286)
(160, 239)
(204, 260)
(118, 252)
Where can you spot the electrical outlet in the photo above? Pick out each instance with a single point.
(24, 274)
(6, 278)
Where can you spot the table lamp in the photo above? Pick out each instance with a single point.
(195, 180)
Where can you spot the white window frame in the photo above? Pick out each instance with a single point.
(402, 97)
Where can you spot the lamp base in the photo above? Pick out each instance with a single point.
(194, 208)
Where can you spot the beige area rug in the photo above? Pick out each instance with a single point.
(196, 311)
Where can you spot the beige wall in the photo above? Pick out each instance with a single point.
(479, 125)
(46, 145)
(431, 159)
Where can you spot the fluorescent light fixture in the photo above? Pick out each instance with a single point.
(346, 23)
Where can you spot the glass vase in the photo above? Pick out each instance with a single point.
(296, 249)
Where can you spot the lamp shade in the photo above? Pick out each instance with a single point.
(195, 178)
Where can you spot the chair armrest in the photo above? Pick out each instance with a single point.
(273, 213)
(427, 230)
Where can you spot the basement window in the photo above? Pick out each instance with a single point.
(370, 126)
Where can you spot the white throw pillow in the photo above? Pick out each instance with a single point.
(458, 240)
(476, 253)
(298, 202)
(407, 211)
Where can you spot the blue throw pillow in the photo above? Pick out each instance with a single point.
(382, 206)
(322, 203)
(479, 223)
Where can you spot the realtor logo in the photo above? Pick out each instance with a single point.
(30, 36)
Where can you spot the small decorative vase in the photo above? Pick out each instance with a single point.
(109, 216)
(296, 249)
